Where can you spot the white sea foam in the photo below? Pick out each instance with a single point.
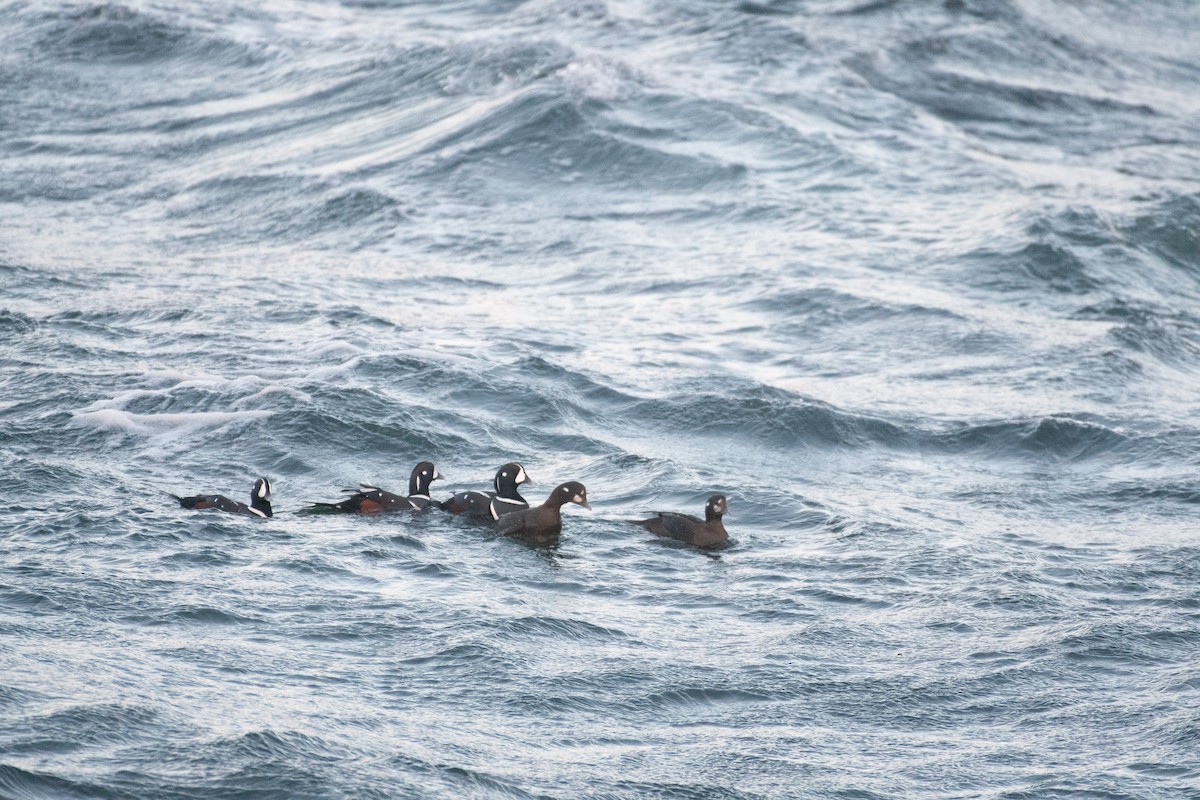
(597, 79)
(116, 419)
(326, 349)
(273, 389)
(240, 383)
(119, 400)
(332, 370)
(175, 377)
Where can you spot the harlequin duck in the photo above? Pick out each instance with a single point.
(260, 501)
(490, 506)
(543, 523)
(373, 500)
(690, 530)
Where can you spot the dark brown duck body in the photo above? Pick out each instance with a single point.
(706, 533)
(373, 500)
(543, 523)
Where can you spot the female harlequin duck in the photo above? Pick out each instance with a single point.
(490, 506)
(372, 500)
(690, 530)
(260, 501)
(543, 523)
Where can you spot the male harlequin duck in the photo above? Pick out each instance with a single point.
(690, 530)
(260, 501)
(372, 500)
(543, 523)
(490, 506)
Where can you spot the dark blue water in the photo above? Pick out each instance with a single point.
(917, 285)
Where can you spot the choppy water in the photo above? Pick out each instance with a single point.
(916, 284)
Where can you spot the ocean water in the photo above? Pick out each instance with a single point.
(917, 285)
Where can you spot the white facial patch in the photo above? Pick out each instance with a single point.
(264, 489)
(521, 478)
(577, 498)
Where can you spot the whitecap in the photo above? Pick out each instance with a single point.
(596, 79)
(333, 370)
(274, 389)
(116, 419)
(336, 348)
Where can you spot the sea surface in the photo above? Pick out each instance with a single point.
(915, 284)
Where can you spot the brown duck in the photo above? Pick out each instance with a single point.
(544, 522)
(708, 533)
